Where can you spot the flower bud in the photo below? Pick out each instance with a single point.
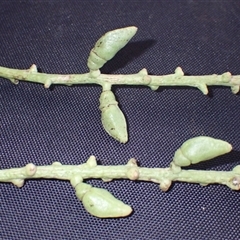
(101, 203)
(108, 45)
(112, 117)
(200, 149)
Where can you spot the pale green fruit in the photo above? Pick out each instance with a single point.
(108, 45)
(112, 117)
(101, 203)
(200, 149)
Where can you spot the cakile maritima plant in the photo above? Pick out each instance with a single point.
(101, 203)
(105, 49)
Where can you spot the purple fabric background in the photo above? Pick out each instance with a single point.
(63, 124)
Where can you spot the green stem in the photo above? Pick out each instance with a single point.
(141, 78)
(89, 170)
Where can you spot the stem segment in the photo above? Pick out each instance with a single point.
(140, 78)
(162, 176)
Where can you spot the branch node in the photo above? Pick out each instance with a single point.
(226, 77)
(81, 189)
(30, 169)
(146, 78)
(75, 180)
(94, 73)
(133, 173)
(175, 168)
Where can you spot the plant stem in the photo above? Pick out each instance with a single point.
(140, 78)
(89, 170)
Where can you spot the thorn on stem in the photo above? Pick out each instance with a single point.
(153, 87)
(33, 69)
(235, 89)
(14, 81)
(48, 83)
(56, 164)
(106, 179)
(91, 162)
(179, 72)
(18, 182)
(143, 72)
(132, 162)
(203, 88)
(165, 185)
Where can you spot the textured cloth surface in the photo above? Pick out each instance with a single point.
(63, 124)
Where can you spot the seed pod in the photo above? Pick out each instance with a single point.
(108, 45)
(112, 117)
(101, 203)
(200, 149)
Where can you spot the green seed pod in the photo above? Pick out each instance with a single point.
(101, 203)
(108, 45)
(200, 149)
(112, 117)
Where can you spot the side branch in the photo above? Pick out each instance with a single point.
(140, 78)
(89, 170)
